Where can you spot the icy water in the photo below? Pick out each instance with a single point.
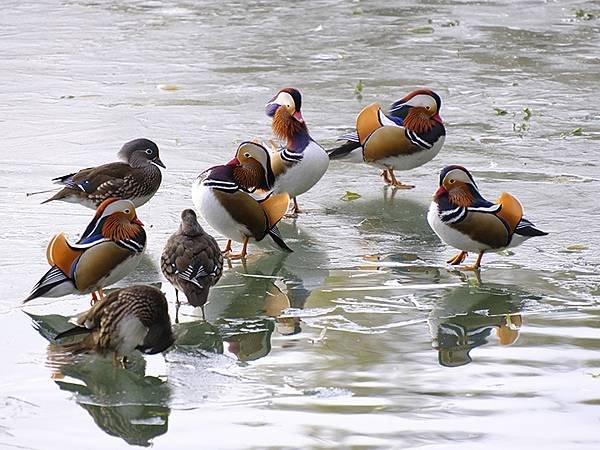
(362, 338)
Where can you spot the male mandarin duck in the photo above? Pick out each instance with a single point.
(223, 196)
(136, 179)
(410, 135)
(301, 162)
(192, 260)
(463, 219)
(132, 318)
(110, 248)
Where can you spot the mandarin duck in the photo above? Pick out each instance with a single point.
(136, 179)
(223, 196)
(110, 248)
(300, 163)
(408, 136)
(132, 318)
(192, 260)
(463, 219)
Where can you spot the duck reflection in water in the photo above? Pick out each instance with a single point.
(250, 303)
(245, 340)
(468, 317)
(454, 341)
(249, 340)
(123, 403)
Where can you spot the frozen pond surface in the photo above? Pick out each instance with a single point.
(349, 341)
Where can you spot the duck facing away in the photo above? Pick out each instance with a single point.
(300, 163)
(110, 248)
(223, 196)
(463, 219)
(136, 179)
(132, 318)
(192, 260)
(409, 135)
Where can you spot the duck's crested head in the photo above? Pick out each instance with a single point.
(424, 98)
(114, 206)
(450, 174)
(420, 104)
(288, 100)
(458, 183)
(141, 152)
(252, 156)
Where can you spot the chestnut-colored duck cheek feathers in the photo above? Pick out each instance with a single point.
(367, 121)
(417, 120)
(275, 207)
(511, 211)
(60, 254)
(460, 195)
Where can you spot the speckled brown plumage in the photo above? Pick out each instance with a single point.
(132, 318)
(192, 260)
(137, 179)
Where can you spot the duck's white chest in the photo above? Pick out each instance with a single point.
(130, 333)
(209, 207)
(449, 235)
(304, 174)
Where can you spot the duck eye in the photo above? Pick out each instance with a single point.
(452, 181)
(148, 151)
(428, 107)
(127, 211)
(247, 155)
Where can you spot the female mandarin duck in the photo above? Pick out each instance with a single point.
(410, 135)
(133, 318)
(222, 195)
(463, 219)
(137, 179)
(110, 248)
(192, 260)
(301, 163)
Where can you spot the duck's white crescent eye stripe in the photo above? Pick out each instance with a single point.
(284, 99)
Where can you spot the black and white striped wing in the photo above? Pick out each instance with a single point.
(193, 274)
